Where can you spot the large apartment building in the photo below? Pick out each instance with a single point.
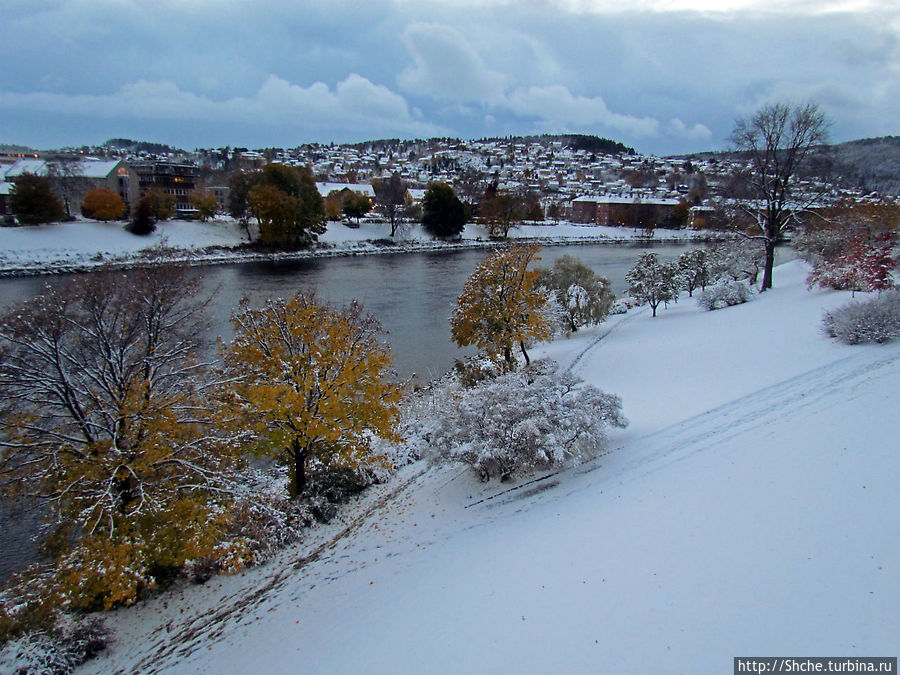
(178, 180)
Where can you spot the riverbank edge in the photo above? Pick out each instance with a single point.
(242, 254)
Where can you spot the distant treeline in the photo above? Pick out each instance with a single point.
(594, 144)
(140, 146)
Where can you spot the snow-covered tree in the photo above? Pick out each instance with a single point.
(586, 297)
(693, 270)
(501, 306)
(779, 141)
(311, 382)
(737, 259)
(830, 235)
(531, 419)
(652, 282)
(103, 419)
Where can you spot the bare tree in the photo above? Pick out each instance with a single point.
(391, 196)
(63, 173)
(779, 140)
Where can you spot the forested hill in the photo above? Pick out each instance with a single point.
(575, 141)
(594, 144)
(128, 145)
(872, 164)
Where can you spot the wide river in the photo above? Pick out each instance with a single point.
(412, 294)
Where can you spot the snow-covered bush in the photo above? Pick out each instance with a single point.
(621, 307)
(875, 320)
(526, 420)
(724, 294)
(57, 650)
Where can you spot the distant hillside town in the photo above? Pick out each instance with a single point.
(581, 178)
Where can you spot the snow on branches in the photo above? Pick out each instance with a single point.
(652, 282)
(876, 320)
(501, 307)
(862, 266)
(104, 420)
(584, 297)
(532, 419)
(311, 382)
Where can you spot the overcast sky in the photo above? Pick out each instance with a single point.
(664, 76)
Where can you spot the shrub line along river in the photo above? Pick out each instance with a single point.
(412, 294)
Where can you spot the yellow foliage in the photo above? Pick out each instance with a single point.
(312, 382)
(101, 573)
(232, 556)
(499, 306)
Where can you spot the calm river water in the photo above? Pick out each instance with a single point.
(411, 294)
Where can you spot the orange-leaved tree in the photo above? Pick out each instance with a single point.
(314, 383)
(103, 204)
(501, 306)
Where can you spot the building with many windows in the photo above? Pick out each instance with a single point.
(178, 180)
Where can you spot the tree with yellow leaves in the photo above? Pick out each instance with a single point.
(312, 382)
(500, 306)
(102, 420)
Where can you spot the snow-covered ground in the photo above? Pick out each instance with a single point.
(83, 244)
(750, 509)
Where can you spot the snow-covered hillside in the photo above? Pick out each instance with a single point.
(751, 509)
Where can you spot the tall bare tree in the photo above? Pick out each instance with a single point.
(391, 196)
(63, 173)
(779, 140)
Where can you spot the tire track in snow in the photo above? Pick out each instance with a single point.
(822, 387)
(629, 317)
(175, 643)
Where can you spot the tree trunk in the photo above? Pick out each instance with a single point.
(770, 264)
(524, 353)
(298, 454)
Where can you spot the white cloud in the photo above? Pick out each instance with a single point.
(556, 106)
(354, 103)
(446, 66)
(697, 132)
(809, 7)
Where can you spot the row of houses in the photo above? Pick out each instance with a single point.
(131, 179)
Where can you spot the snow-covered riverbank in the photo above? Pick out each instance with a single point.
(83, 244)
(749, 509)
